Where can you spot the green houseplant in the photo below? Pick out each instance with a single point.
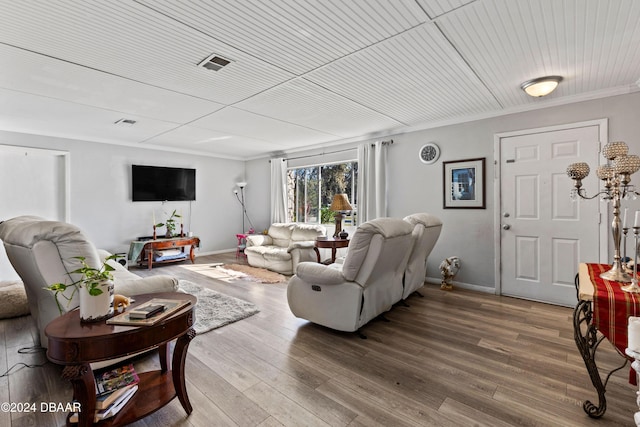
(94, 287)
(170, 224)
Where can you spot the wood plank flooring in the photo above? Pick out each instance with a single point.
(457, 358)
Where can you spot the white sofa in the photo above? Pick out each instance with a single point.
(426, 231)
(284, 246)
(345, 296)
(42, 253)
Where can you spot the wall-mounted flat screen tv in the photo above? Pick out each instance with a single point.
(159, 184)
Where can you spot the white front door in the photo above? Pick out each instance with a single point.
(544, 234)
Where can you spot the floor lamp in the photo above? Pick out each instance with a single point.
(240, 198)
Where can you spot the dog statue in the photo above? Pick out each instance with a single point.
(449, 268)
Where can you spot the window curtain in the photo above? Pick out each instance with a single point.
(372, 181)
(279, 190)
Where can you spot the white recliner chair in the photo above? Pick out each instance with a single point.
(347, 295)
(426, 231)
(42, 254)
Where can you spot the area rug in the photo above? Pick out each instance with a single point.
(215, 309)
(233, 272)
(261, 275)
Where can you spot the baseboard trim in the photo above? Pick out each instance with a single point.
(462, 285)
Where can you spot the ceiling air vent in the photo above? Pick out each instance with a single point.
(214, 62)
(125, 122)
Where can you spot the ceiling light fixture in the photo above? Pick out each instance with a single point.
(541, 86)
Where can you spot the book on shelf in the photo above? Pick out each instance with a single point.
(105, 400)
(169, 306)
(111, 410)
(110, 380)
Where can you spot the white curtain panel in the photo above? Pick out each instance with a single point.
(279, 190)
(372, 181)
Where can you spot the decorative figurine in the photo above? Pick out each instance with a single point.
(449, 268)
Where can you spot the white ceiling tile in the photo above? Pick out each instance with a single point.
(593, 45)
(297, 36)
(37, 74)
(413, 77)
(232, 120)
(20, 112)
(436, 8)
(192, 138)
(309, 105)
(133, 42)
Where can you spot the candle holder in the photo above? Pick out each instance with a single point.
(616, 176)
(154, 232)
(625, 263)
(633, 287)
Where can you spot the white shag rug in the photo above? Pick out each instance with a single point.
(215, 309)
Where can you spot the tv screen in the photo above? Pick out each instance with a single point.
(159, 184)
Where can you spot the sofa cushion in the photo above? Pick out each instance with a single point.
(271, 253)
(310, 232)
(281, 234)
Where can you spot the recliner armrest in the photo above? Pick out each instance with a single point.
(320, 274)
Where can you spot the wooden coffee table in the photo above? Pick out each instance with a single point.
(330, 243)
(76, 345)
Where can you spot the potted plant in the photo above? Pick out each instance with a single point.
(170, 224)
(95, 288)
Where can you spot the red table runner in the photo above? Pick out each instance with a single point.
(612, 308)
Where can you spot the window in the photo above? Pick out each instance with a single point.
(310, 191)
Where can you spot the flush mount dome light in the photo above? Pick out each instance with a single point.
(541, 86)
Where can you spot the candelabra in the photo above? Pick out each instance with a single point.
(616, 175)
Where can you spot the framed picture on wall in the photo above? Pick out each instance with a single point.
(464, 184)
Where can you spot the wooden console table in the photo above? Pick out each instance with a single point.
(141, 251)
(602, 311)
(76, 345)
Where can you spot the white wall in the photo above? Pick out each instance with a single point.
(100, 196)
(469, 233)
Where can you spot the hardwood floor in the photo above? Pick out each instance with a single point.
(455, 358)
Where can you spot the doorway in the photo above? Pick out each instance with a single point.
(542, 234)
(35, 182)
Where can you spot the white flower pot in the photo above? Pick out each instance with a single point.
(99, 307)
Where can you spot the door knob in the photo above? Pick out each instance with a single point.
(506, 227)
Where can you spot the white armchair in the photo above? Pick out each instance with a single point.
(42, 253)
(426, 230)
(346, 296)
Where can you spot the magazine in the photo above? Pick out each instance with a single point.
(108, 381)
(170, 307)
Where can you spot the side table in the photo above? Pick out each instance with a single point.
(75, 345)
(602, 312)
(242, 245)
(330, 243)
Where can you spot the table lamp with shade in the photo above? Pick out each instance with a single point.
(339, 205)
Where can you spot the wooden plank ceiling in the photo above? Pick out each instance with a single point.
(302, 72)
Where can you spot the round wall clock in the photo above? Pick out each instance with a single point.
(429, 153)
